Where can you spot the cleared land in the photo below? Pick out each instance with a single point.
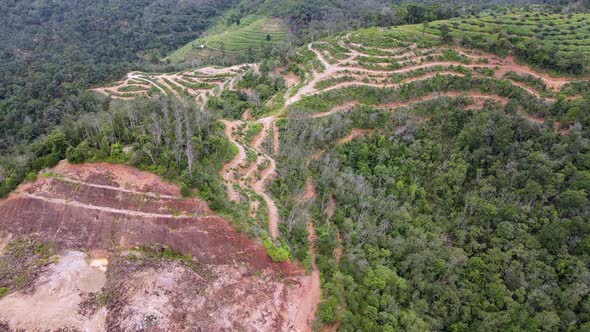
(118, 234)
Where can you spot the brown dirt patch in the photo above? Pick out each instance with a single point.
(310, 192)
(54, 303)
(235, 285)
(291, 80)
(273, 25)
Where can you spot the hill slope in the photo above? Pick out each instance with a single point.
(253, 33)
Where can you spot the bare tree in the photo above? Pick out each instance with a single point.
(190, 152)
(254, 98)
(178, 135)
(156, 130)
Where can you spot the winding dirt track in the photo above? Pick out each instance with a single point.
(343, 67)
(228, 169)
(259, 186)
(308, 306)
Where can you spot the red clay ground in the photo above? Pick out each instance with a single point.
(106, 211)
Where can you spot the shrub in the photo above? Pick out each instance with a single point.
(78, 154)
(185, 191)
(277, 254)
(3, 291)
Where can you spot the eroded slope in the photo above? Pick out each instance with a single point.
(102, 218)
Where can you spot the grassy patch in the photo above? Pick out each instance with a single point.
(252, 131)
(22, 262)
(253, 32)
(157, 251)
(275, 252)
(131, 88)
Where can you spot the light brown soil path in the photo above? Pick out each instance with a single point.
(310, 192)
(309, 87)
(228, 169)
(219, 77)
(137, 77)
(267, 126)
(308, 306)
(342, 67)
(260, 188)
(103, 208)
(265, 176)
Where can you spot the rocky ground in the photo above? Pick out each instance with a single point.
(131, 254)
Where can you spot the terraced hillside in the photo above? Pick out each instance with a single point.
(569, 33)
(252, 33)
(565, 38)
(201, 84)
(343, 74)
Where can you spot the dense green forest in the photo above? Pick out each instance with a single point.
(471, 221)
(53, 51)
(50, 51)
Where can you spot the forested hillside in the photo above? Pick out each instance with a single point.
(52, 51)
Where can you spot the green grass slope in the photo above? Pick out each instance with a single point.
(251, 34)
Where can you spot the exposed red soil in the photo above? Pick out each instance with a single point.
(106, 208)
(87, 217)
(291, 80)
(310, 192)
(309, 303)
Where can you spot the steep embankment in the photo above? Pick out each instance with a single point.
(111, 212)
